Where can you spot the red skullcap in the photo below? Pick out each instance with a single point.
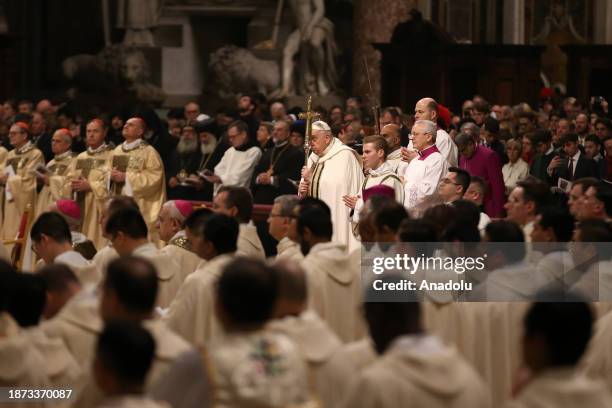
(69, 208)
(380, 189)
(184, 207)
(24, 126)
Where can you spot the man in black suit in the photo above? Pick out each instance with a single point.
(574, 165)
(277, 167)
(542, 140)
(40, 136)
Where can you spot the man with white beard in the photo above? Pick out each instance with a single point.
(184, 162)
(212, 150)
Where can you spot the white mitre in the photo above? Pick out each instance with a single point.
(320, 125)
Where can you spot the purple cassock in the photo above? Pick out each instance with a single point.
(485, 163)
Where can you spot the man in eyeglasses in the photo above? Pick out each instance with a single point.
(454, 185)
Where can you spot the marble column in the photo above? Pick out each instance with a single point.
(602, 32)
(514, 22)
(374, 21)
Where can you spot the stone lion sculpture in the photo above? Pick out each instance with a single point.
(233, 69)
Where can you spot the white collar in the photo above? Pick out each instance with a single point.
(24, 147)
(77, 237)
(145, 249)
(179, 234)
(550, 150)
(98, 149)
(328, 148)
(133, 144)
(576, 156)
(62, 156)
(382, 169)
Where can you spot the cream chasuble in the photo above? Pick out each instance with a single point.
(288, 249)
(93, 165)
(335, 174)
(192, 312)
(382, 175)
(3, 155)
(334, 289)
(418, 371)
(179, 249)
(21, 364)
(144, 178)
(20, 189)
(249, 243)
(257, 369)
(562, 388)
(317, 344)
(57, 170)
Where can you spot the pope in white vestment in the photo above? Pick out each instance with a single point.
(333, 171)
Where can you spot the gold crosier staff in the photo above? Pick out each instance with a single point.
(309, 116)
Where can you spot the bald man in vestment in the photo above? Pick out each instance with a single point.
(178, 246)
(88, 180)
(137, 171)
(332, 172)
(18, 179)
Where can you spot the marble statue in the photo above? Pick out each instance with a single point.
(314, 72)
(232, 69)
(137, 17)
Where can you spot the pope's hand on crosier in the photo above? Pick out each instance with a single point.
(306, 173)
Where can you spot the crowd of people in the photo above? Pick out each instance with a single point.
(147, 279)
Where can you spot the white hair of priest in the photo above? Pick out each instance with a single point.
(428, 127)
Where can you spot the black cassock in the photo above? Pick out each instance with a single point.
(287, 162)
(194, 163)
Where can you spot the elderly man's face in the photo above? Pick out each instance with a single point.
(319, 141)
(420, 138)
(38, 124)
(166, 225)
(192, 110)
(59, 143)
(280, 132)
